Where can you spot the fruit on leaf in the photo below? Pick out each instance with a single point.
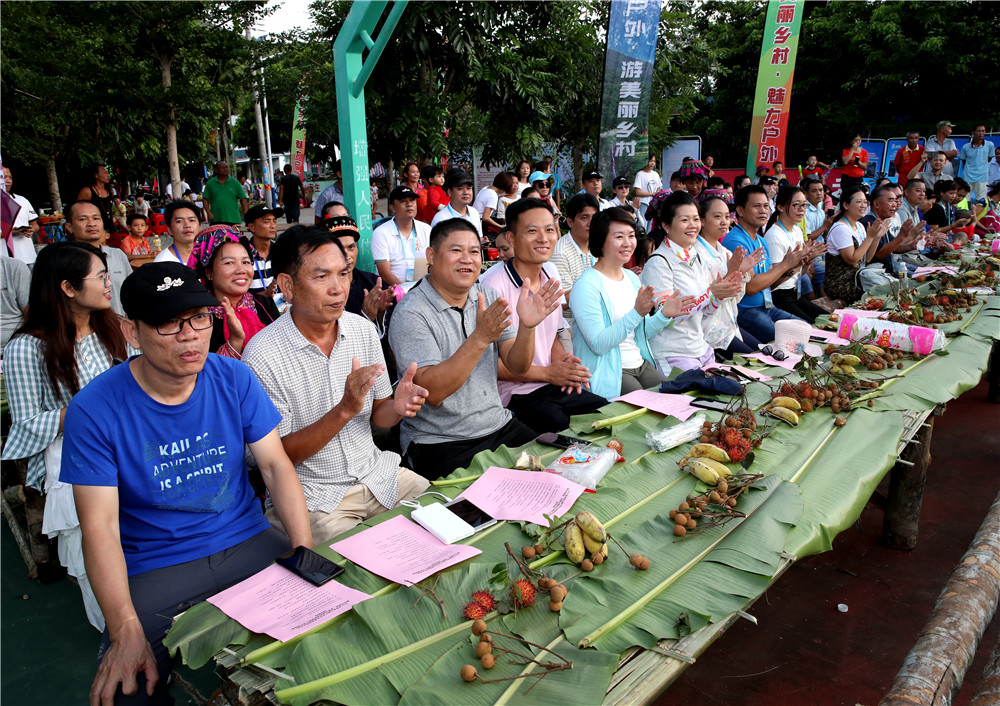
(485, 599)
(474, 611)
(468, 673)
(573, 537)
(522, 593)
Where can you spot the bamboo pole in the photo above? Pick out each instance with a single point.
(932, 673)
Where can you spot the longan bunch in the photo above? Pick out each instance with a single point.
(689, 512)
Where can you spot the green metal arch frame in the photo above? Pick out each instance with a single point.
(352, 69)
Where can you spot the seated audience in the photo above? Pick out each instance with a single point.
(135, 244)
(613, 314)
(553, 389)
(167, 511)
(464, 331)
(678, 266)
(432, 197)
(15, 278)
(782, 236)
(400, 242)
(85, 224)
(183, 223)
(326, 429)
(365, 295)
(757, 312)
(850, 246)
(262, 222)
(458, 186)
(69, 336)
(224, 263)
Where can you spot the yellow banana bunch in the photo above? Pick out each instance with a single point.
(591, 527)
(843, 359)
(784, 414)
(787, 402)
(995, 261)
(873, 349)
(703, 472)
(594, 547)
(705, 451)
(575, 549)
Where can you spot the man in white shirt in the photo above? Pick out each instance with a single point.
(994, 170)
(942, 142)
(401, 241)
(183, 223)
(25, 224)
(647, 182)
(458, 186)
(85, 224)
(141, 206)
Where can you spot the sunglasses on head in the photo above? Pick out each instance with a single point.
(775, 353)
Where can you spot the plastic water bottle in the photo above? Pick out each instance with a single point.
(901, 271)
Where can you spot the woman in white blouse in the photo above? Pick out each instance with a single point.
(678, 266)
(850, 246)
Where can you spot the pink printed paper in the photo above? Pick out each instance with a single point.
(402, 551)
(920, 271)
(522, 495)
(278, 603)
(665, 403)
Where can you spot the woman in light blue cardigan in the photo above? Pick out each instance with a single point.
(613, 314)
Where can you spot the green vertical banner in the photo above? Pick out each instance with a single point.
(628, 83)
(299, 137)
(772, 101)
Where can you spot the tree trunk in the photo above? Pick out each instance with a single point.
(577, 167)
(934, 670)
(53, 179)
(172, 163)
(906, 492)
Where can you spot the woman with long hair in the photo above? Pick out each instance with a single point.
(783, 234)
(69, 336)
(223, 260)
(849, 246)
(523, 171)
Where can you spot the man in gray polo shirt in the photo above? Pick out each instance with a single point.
(454, 330)
(324, 370)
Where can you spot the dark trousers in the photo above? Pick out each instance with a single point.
(434, 461)
(161, 594)
(291, 212)
(548, 408)
(749, 344)
(790, 301)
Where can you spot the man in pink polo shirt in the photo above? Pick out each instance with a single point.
(555, 388)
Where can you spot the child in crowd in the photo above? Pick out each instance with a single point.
(135, 244)
(676, 183)
(814, 168)
(432, 198)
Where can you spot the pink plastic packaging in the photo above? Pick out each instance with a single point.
(889, 334)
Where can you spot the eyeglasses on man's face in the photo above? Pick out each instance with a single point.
(198, 322)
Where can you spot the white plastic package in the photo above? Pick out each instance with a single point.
(586, 464)
(672, 437)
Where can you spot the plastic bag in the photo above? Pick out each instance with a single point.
(672, 437)
(586, 464)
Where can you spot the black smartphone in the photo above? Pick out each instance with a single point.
(314, 568)
(559, 441)
(470, 513)
(709, 403)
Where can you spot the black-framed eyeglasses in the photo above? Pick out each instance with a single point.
(198, 322)
(775, 353)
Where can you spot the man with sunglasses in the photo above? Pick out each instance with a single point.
(165, 504)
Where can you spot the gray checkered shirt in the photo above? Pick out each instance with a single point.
(304, 385)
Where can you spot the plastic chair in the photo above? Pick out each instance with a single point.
(158, 224)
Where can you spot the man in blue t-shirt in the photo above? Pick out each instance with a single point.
(756, 314)
(167, 511)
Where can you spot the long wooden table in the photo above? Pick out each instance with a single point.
(835, 469)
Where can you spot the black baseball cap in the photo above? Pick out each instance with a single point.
(593, 174)
(620, 181)
(259, 211)
(401, 193)
(456, 177)
(159, 291)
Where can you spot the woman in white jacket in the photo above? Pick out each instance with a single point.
(677, 265)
